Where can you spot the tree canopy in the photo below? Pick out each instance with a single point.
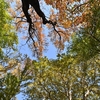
(74, 74)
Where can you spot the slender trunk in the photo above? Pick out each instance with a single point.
(84, 94)
(70, 93)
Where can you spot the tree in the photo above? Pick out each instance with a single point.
(70, 16)
(63, 78)
(39, 43)
(8, 38)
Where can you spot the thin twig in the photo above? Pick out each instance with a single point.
(54, 24)
(29, 30)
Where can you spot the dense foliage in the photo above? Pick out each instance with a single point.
(7, 32)
(8, 41)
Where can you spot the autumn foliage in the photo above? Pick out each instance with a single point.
(70, 15)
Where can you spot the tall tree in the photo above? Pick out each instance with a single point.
(8, 41)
